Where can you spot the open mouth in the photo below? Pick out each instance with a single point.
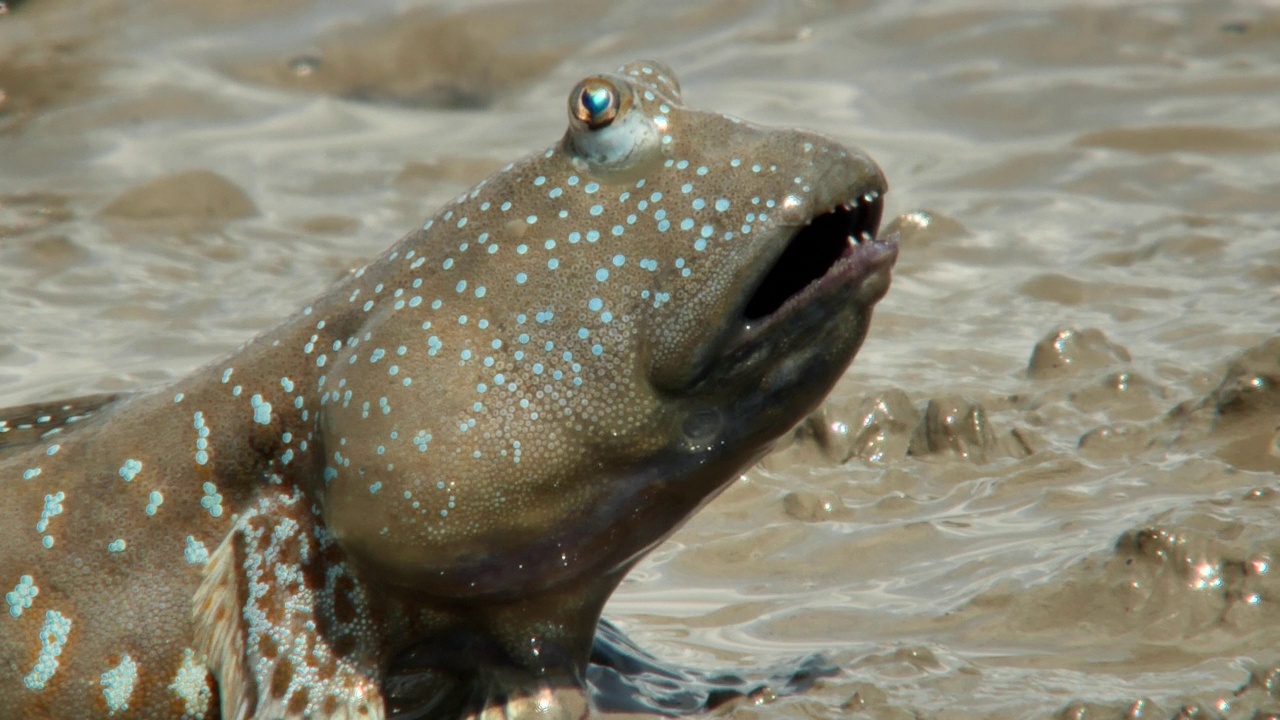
(837, 244)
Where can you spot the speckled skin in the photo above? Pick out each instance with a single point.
(414, 496)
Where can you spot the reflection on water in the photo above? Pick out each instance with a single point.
(1046, 489)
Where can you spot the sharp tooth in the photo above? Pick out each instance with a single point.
(852, 240)
(866, 236)
(871, 196)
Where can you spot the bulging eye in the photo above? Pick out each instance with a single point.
(595, 103)
(609, 129)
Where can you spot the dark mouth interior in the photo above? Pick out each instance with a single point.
(812, 253)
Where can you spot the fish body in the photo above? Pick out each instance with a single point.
(414, 496)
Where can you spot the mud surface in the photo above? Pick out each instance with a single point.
(1048, 487)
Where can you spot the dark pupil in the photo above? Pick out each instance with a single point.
(596, 101)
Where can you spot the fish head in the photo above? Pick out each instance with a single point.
(579, 352)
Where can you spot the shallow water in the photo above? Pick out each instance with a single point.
(1043, 490)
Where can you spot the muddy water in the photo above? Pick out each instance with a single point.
(1047, 488)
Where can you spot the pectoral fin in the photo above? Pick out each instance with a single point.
(285, 627)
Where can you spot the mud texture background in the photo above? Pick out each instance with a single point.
(1047, 488)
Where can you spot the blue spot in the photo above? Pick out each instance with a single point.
(154, 501)
(21, 596)
(596, 209)
(261, 410)
(130, 469)
(597, 350)
(602, 275)
(521, 278)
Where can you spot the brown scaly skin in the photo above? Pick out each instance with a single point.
(414, 497)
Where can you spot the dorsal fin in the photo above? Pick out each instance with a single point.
(26, 425)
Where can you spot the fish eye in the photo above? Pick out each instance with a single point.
(595, 103)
